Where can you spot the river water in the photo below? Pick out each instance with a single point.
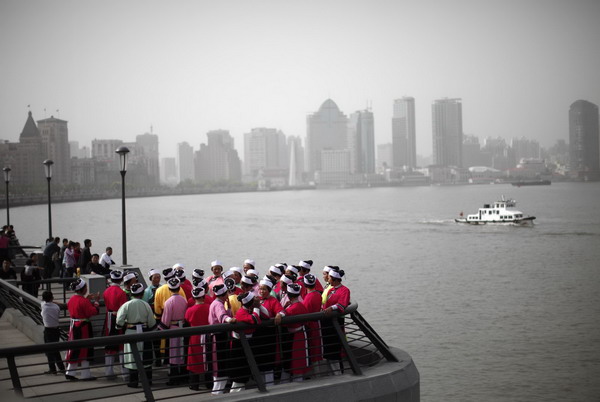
(488, 313)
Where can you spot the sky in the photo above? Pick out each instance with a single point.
(114, 69)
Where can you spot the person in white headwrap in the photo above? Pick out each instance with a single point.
(81, 308)
(338, 299)
(217, 277)
(174, 317)
(114, 297)
(197, 316)
(249, 314)
(136, 316)
(218, 314)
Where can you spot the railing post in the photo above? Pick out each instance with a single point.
(14, 375)
(252, 362)
(141, 372)
(353, 362)
(373, 337)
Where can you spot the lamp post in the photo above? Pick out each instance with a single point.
(48, 168)
(6, 171)
(123, 151)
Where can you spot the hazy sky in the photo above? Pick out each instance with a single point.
(114, 68)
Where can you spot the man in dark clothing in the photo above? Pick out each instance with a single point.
(7, 272)
(51, 253)
(85, 257)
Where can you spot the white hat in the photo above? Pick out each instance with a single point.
(293, 289)
(116, 275)
(275, 270)
(292, 268)
(129, 276)
(309, 279)
(137, 288)
(237, 269)
(305, 264)
(248, 298)
(248, 280)
(267, 282)
(200, 284)
(250, 262)
(285, 279)
(197, 293)
(252, 272)
(78, 284)
(153, 272)
(338, 274)
(219, 289)
(168, 273)
(227, 273)
(177, 266)
(173, 283)
(215, 263)
(326, 268)
(198, 273)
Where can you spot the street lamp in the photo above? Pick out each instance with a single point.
(6, 171)
(48, 168)
(123, 151)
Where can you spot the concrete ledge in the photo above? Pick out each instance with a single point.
(384, 382)
(24, 324)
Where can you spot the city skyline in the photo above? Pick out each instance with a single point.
(186, 68)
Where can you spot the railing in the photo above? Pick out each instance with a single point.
(361, 348)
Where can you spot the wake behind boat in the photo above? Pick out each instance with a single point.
(501, 212)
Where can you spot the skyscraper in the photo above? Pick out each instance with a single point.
(296, 156)
(404, 133)
(447, 132)
(326, 130)
(584, 140)
(218, 160)
(55, 135)
(264, 149)
(361, 142)
(185, 160)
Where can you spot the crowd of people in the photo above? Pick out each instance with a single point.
(285, 351)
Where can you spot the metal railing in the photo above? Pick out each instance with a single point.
(360, 345)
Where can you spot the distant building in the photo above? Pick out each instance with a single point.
(335, 167)
(104, 150)
(265, 149)
(361, 142)
(77, 152)
(217, 160)
(185, 161)
(472, 152)
(385, 158)
(168, 171)
(147, 150)
(326, 130)
(404, 133)
(55, 135)
(584, 141)
(447, 132)
(25, 157)
(525, 148)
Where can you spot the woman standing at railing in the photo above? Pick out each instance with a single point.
(294, 356)
(249, 314)
(81, 309)
(173, 316)
(266, 337)
(218, 314)
(197, 316)
(337, 299)
(312, 302)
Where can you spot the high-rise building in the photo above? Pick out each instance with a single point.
(584, 140)
(447, 132)
(361, 142)
(404, 133)
(147, 153)
(185, 160)
(326, 130)
(265, 149)
(168, 171)
(525, 148)
(385, 159)
(104, 150)
(55, 135)
(218, 160)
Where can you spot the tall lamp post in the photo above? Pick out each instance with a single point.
(6, 171)
(123, 151)
(48, 168)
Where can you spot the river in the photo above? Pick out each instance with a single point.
(488, 313)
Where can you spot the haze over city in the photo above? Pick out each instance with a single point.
(114, 69)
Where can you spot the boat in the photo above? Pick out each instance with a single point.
(501, 212)
(531, 183)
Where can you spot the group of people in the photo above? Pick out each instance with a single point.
(69, 259)
(287, 350)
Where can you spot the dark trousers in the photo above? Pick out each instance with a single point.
(54, 359)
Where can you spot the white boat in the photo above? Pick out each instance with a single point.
(501, 212)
